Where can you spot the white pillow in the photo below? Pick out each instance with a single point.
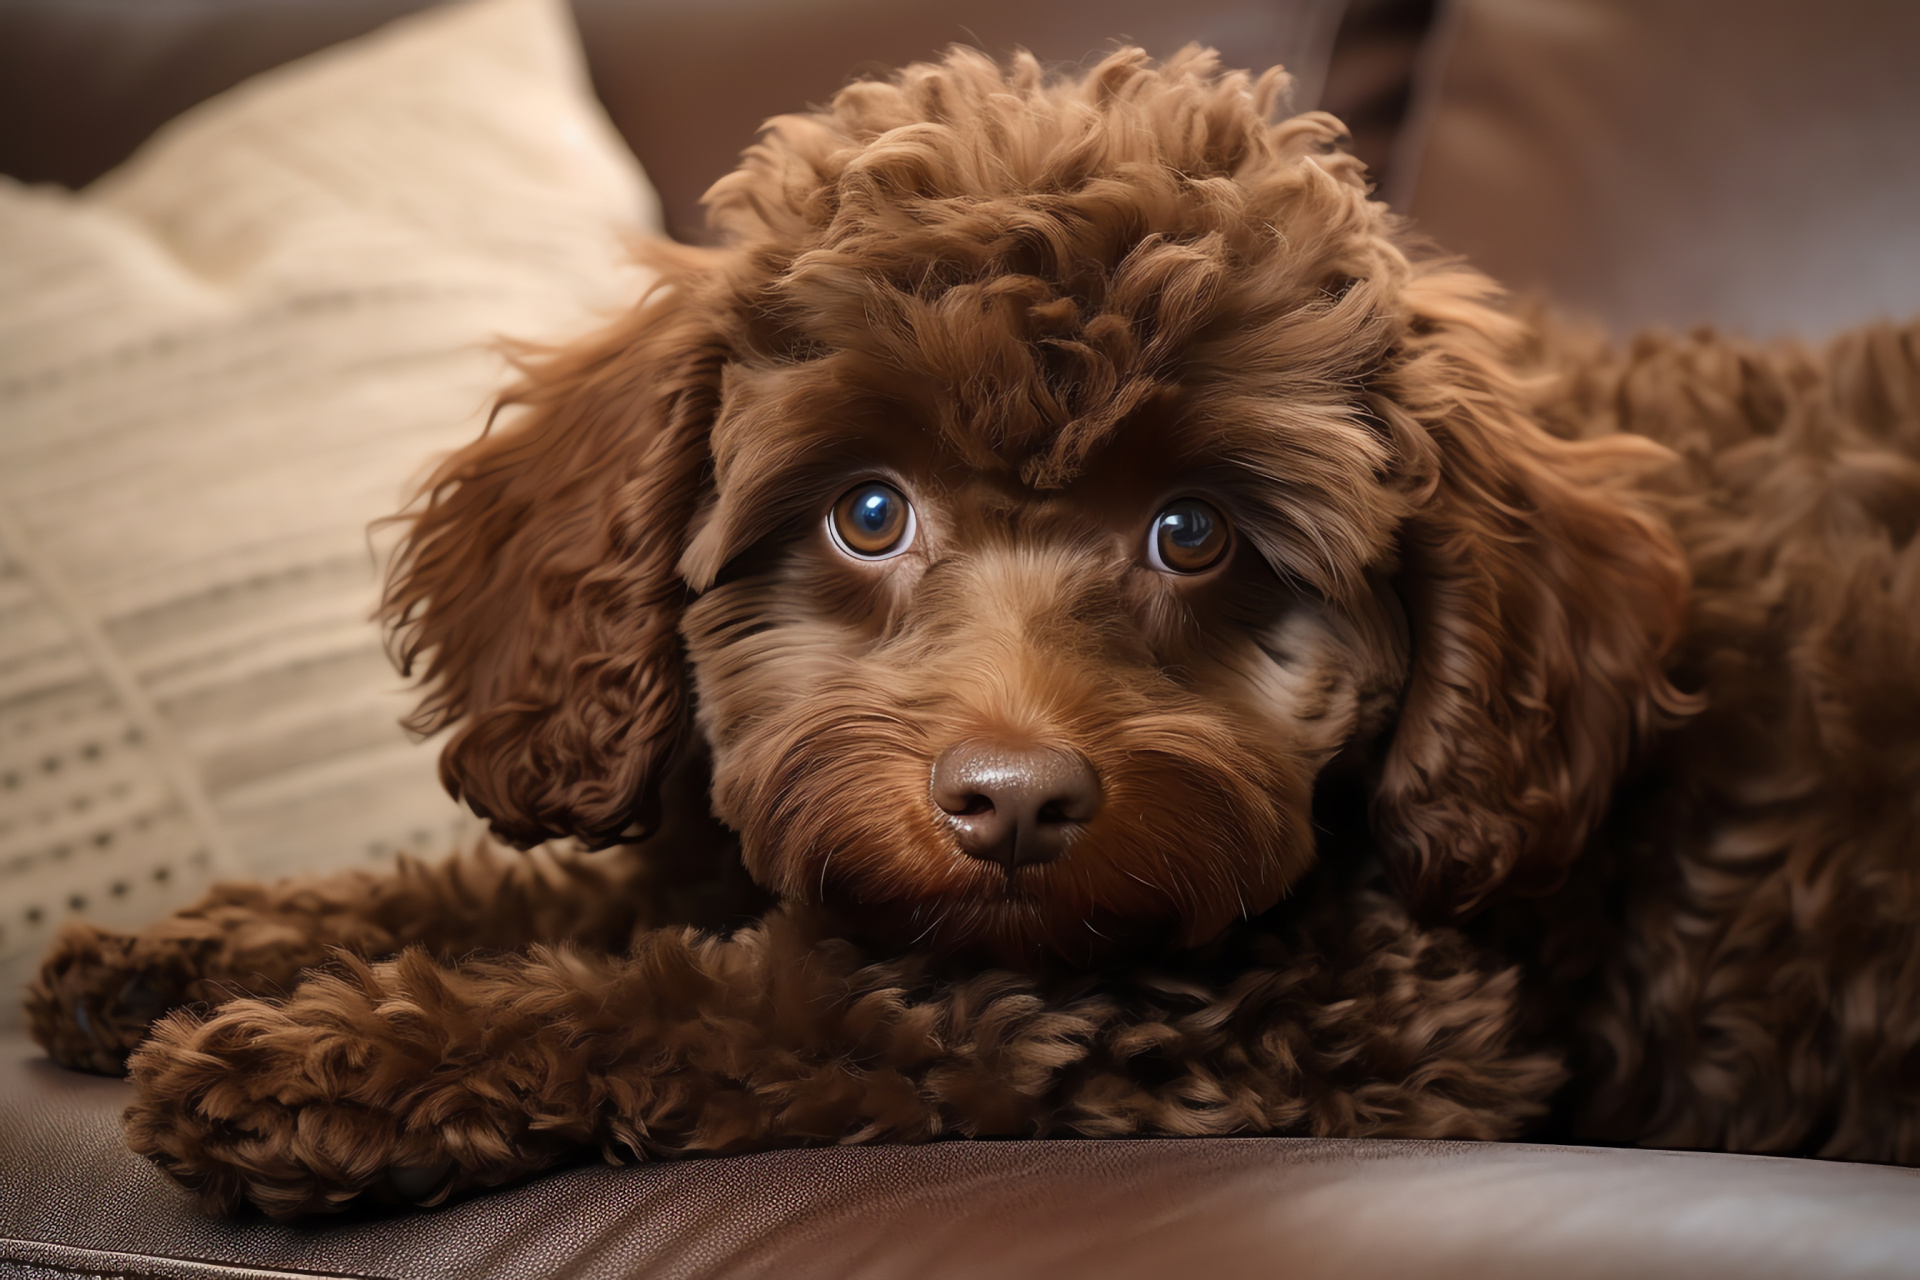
(217, 365)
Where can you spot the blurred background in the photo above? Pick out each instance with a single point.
(1749, 162)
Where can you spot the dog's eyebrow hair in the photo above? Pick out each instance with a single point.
(787, 431)
(744, 513)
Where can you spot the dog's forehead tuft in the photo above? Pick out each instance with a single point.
(964, 128)
(1032, 370)
(1044, 257)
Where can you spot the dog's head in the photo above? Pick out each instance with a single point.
(1043, 487)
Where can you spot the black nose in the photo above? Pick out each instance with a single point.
(1014, 806)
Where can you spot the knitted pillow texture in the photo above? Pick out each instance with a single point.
(218, 364)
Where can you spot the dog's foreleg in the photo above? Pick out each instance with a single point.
(411, 1079)
(98, 991)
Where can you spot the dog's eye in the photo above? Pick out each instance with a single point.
(872, 522)
(1189, 536)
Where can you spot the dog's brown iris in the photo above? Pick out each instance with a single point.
(873, 521)
(1189, 536)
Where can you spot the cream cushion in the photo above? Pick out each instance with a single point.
(218, 364)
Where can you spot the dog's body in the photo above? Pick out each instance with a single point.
(1180, 665)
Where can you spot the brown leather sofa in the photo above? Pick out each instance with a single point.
(1641, 161)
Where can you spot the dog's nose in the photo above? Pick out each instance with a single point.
(1012, 806)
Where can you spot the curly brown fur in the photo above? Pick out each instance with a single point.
(1764, 992)
(1548, 708)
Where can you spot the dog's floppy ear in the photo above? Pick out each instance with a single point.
(1541, 599)
(536, 591)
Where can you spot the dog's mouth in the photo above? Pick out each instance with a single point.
(1026, 883)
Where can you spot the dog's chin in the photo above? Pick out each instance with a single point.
(1092, 907)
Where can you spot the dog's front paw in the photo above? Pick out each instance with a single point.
(97, 993)
(305, 1105)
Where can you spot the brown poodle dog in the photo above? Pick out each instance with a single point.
(1180, 662)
